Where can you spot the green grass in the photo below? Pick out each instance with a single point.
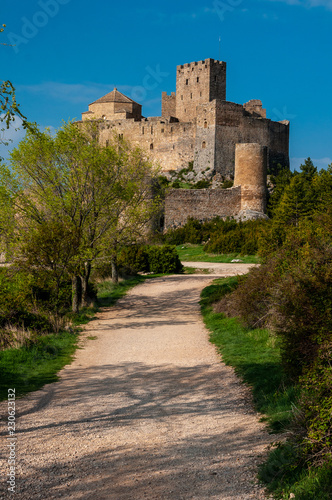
(109, 293)
(195, 253)
(255, 356)
(283, 474)
(29, 368)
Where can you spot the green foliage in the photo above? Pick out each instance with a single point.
(155, 259)
(292, 293)
(202, 184)
(29, 303)
(254, 354)
(134, 258)
(164, 259)
(227, 184)
(236, 237)
(69, 201)
(196, 253)
(222, 236)
(315, 418)
(285, 473)
(30, 367)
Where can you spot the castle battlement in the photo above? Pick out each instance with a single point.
(197, 124)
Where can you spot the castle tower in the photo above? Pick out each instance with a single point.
(113, 106)
(198, 83)
(250, 174)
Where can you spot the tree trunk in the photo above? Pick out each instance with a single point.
(115, 273)
(85, 282)
(75, 294)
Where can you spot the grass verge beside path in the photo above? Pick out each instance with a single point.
(254, 354)
(195, 253)
(31, 367)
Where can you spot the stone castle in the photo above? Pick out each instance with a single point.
(198, 127)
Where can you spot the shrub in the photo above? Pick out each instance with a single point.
(133, 259)
(315, 417)
(292, 294)
(154, 259)
(164, 259)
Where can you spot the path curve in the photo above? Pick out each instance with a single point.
(145, 411)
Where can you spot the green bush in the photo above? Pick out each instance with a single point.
(154, 259)
(315, 418)
(134, 258)
(164, 259)
(236, 237)
(292, 294)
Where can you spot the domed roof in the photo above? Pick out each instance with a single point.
(114, 96)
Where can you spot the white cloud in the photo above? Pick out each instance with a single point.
(318, 162)
(77, 93)
(69, 92)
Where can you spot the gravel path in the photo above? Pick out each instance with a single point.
(146, 410)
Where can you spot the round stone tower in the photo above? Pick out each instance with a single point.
(250, 174)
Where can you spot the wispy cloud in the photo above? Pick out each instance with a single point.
(327, 4)
(318, 162)
(68, 92)
(74, 93)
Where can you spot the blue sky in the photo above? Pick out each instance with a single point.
(68, 53)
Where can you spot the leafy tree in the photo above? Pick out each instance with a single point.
(94, 196)
(299, 198)
(279, 183)
(9, 108)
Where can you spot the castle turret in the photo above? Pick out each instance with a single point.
(251, 174)
(113, 106)
(198, 83)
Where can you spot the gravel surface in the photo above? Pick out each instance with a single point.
(145, 411)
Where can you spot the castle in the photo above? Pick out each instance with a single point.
(198, 127)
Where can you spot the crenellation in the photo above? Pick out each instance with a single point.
(198, 126)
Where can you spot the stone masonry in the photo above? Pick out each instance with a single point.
(197, 123)
(200, 127)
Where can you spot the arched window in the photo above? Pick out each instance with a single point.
(151, 146)
(203, 145)
(205, 125)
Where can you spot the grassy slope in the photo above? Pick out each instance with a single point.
(255, 356)
(29, 368)
(195, 253)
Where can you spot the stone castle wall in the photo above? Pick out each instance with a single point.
(198, 125)
(168, 104)
(222, 124)
(201, 204)
(198, 83)
(168, 144)
(247, 199)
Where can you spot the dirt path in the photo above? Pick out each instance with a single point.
(146, 410)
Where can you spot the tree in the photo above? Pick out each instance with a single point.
(93, 194)
(9, 109)
(299, 198)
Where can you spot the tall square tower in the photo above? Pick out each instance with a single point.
(198, 83)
